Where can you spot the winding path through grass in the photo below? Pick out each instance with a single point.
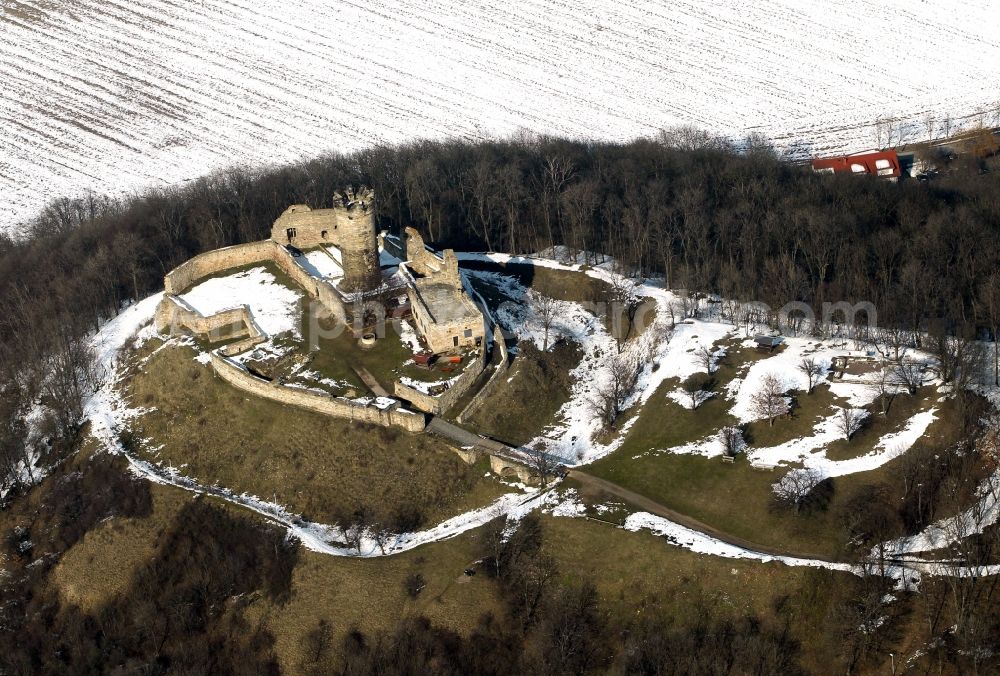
(653, 507)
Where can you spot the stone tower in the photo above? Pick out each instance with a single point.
(357, 239)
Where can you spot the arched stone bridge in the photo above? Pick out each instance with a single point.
(505, 461)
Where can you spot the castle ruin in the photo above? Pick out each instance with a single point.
(445, 316)
(349, 226)
(336, 257)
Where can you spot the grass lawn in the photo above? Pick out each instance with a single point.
(635, 574)
(663, 423)
(876, 426)
(806, 411)
(315, 465)
(735, 497)
(102, 564)
(639, 573)
(369, 594)
(635, 570)
(528, 398)
(338, 352)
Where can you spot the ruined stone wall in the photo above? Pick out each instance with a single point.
(320, 289)
(311, 226)
(349, 225)
(433, 271)
(419, 400)
(444, 401)
(286, 262)
(186, 275)
(505, 468)
(314, 401)
(439, 336)
(175, 317)
(427, 264)
(487, 390)
(449, 272)
(419, 259)
(183, 277)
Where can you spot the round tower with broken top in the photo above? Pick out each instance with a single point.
(357, 239)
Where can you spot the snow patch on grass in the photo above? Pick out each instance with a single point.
(274, 306)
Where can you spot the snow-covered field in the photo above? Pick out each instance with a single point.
(112, 96)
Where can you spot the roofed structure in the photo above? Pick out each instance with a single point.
(885, 164)
(445, 316)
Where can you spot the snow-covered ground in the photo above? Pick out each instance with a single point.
(572, 436)
(321, 265)
(274, 306)
(114, 96)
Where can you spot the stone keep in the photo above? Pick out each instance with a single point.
(349, 225)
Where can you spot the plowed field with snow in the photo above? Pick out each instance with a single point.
(114, 95)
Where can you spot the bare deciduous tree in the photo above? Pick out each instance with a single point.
(621, 373)
(850, 420)
(674, 312)
(72, 375)
(988, 443)
(543, 464)
(696, 387)
(355, 529)
(908, 375)
(15, 452)
(812, 370)
(890, 341)
(930, 124)
(988, 300)
(793, 488)
(959, 355)
(704, 356)
(881, 385)
(382, 534)
(732, 441)
(769, 401)
(544, 308)
(749, 316)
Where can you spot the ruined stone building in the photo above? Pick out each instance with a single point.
(349, 226)
(445, 316)
(335, 256)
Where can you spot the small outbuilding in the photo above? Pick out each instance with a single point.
(769, 343)
(884, 164)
